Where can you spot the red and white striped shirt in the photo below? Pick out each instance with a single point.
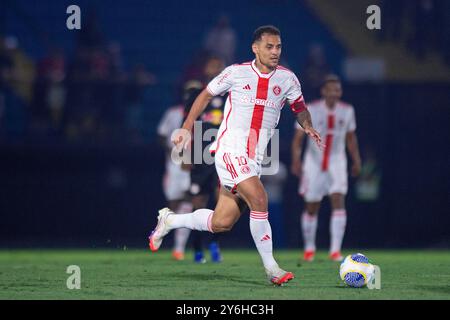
(253, 107)
(332, 125)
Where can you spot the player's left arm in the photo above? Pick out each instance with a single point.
(296, 100)
(304, 119)
(352, 145)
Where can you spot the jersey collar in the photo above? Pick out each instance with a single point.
(260, 74)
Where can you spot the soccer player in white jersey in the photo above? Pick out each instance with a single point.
(257, 91)
(324, 172)
(176, 181)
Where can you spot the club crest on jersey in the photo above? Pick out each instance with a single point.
(276, 90)
(245, 170)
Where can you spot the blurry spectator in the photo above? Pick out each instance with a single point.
(194, 70)
(79, 116)
(94, 78)
(314, 71)
(221, 40)
(136, 103)
(90, 35)
(114, 51)
(49, 92)
(116, 87)
(16, 77)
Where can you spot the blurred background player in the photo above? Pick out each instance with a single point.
(204, 181)
(176, 181)
(324, 172)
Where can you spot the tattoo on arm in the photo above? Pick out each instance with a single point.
(304, 119)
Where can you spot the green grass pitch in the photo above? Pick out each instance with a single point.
(140, 274)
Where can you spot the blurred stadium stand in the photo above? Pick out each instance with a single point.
(79, 160)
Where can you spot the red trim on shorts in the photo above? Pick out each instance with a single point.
(328, 143)
(257, 117)
(229, 165)
(232, 165)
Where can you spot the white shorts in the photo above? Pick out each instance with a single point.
(175, 182)
(316, 183)
(232, 169)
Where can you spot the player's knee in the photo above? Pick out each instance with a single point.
(221, 225)
(259, 202)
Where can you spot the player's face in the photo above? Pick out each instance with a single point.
(332, 92)
(268, 50)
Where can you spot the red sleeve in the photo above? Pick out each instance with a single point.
(298, 105)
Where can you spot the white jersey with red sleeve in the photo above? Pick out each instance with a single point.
(253, 106)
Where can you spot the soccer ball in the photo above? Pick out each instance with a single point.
(356, 271)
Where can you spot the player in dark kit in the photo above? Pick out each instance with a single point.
(204, 181)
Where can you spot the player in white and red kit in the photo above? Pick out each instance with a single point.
(324, 172)
(176, 181)
(257, 91)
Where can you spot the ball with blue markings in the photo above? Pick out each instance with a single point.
(356, 270)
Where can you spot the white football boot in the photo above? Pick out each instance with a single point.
(278, 276)
(162, 228)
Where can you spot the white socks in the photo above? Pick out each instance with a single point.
(338, 222)
(198, 220)
(262, 236)
(309, 228)
(337, 229)
(182, 234)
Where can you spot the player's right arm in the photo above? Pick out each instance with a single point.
(199, 105)
(296, 152)
(219, 85)
(197, 109)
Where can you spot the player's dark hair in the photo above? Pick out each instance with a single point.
(330, 78)
(269, 29)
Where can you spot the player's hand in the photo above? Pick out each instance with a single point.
(296, 168)
(316, 136)
(356, 168)
(181, 138)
